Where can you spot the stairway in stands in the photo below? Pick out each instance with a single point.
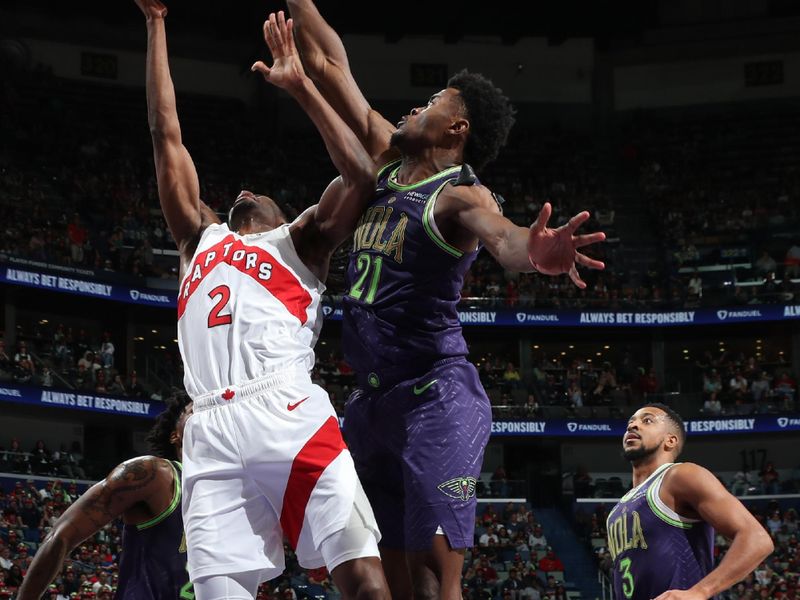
(579, 565)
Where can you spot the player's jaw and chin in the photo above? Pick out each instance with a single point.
(638, 452)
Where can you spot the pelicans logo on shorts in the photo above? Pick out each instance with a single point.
(460, 488)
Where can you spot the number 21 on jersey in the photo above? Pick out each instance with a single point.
(368, 267)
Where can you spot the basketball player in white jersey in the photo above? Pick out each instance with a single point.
(263, 454)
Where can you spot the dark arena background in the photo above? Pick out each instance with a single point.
(676, 123)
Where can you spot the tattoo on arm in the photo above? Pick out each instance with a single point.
(127, 478)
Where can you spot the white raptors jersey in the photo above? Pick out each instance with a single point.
(247, 306)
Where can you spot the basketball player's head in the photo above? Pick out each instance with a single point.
(470, 117)
(166, 436)
(254, 213)
(655, 429)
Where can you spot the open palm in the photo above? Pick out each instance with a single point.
(287, 70)
(555, 251)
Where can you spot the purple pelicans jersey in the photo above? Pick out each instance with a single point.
(405, 280)
(419, 421)
(654, 549)
(153, 558)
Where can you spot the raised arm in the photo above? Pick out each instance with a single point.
(343, 202)
(325, 60)
(178, 187)
(520, 249)
(696, 490)
(138, 481)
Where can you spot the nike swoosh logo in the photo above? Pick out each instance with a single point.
(419, 390)
(291, 406)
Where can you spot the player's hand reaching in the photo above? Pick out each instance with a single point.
(287, 70)
(555, 251)
(152, 9)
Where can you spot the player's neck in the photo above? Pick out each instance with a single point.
(425, 164)
(646, 467)
(254, 226)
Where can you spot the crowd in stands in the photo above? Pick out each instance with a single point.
(554, 385)
(65, 462)
(733, 384)
(723, 191)
(52, 355)
(511, 559)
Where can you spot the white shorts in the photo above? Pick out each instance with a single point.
(262, 461)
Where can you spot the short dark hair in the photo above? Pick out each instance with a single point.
(676, 419)
(159, 435)
(490, 115)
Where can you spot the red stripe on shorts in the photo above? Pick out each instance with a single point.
(320, 451)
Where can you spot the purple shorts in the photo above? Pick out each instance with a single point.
(418, 449)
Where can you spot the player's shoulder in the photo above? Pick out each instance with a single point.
(463, 197)
(688, 476)
(141, 472)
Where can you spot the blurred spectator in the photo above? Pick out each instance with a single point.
(695, 287)
(765, 264)
(40, 459)
(648, 383)
(107, 351)
(5, 362)
(537, 539)
(550, 562)
(792, 261)
(770, 479)
(23, 364)
(77, 235)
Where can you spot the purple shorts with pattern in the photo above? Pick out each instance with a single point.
(418, 449)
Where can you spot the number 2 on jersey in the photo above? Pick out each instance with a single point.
(364, 264)
(223, 295)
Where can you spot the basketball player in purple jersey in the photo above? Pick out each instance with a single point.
(661, 533)
(420, 420)
(144, 492)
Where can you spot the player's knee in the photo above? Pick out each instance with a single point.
(425, 588)
(361, 579)
(372, 587)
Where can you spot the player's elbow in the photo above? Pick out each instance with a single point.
(57, 542)
(764, 544)
(359, 178)
(164, 135)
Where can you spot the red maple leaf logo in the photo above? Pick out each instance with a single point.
(228, 394)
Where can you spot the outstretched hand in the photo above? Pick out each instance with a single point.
(287, 70)
(555, 251)
(152, 9)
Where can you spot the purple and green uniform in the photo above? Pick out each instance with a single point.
(419, 421)
(153, 558)
(655, 549)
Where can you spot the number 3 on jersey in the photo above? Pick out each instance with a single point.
(222, 294)
(364, 264)
(627, 577)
